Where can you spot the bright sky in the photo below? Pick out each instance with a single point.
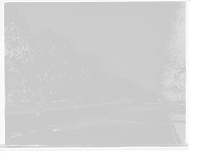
(129, 37)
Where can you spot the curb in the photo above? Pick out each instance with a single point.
(11, 139)
(177, 139)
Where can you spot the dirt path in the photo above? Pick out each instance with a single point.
(145, 124)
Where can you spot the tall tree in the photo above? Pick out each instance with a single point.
(11, 84)
(17, 47)
(41, 78)
(45, 71)
(173, 78)
(16, 35)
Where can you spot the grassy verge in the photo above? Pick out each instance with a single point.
(181, 131)
(180, 127)
(28, 121)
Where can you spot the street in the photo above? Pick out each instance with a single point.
(103, 126)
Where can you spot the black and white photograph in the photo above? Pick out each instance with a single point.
(95, 74)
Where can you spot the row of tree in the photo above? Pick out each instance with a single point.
(172, 77)
(44, 67)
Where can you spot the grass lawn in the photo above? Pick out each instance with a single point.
(16, 123)
(181, 131)
(180, 127)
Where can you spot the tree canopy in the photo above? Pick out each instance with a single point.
(173, 77)
(44, 67)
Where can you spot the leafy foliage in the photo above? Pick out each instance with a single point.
(16, 34)
(173, 77)
(17, 57)
(43, 67)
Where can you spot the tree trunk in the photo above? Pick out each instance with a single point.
(76, 106)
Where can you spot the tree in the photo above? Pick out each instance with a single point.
(11, 83)
(173, 78)
(40, 80)
(167, 82)
(16, 35)
(17, 47)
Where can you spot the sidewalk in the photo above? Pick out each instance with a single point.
(145, 124)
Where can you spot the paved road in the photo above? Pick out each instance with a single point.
(145, 124)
